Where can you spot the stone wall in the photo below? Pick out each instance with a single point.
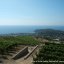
(21, 53)
(30, 52)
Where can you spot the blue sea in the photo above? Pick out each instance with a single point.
(26, 29)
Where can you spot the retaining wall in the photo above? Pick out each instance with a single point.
(21, 53)
(30, 52)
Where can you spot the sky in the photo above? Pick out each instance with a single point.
(31, 12)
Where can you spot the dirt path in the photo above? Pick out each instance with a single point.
(27, 61)
(19, 61)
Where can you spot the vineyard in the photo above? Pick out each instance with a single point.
(50, 52)
(9, 42)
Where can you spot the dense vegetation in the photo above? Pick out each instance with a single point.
(8, 42)
(50, 33)
(50, 52)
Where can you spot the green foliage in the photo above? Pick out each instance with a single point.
(50, 52)
(7, 42)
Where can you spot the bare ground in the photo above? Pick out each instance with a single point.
(22, 60)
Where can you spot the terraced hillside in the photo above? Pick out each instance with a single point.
(10, 42)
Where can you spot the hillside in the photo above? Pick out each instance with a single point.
(50, 33)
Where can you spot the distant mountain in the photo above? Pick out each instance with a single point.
(50, 33)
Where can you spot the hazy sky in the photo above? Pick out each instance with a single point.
(31, 12)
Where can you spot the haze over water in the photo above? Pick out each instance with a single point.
(26, 29)
(24, 16)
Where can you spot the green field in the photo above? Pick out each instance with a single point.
(50, 52)
(8, 42)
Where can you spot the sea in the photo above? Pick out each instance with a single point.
(26, 29)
